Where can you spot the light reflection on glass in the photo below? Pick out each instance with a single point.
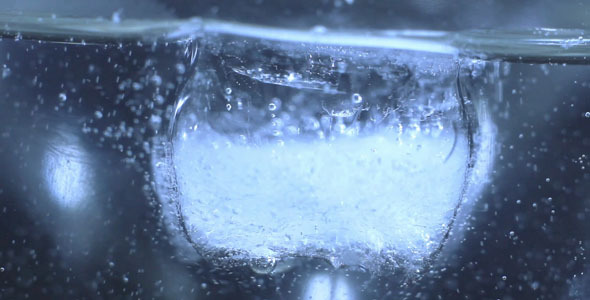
(324, 287)
(66, 172)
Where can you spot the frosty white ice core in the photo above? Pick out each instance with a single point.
(378, 194)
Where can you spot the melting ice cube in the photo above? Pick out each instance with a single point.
(380, 184)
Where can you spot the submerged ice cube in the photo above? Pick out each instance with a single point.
(374, 194)
(357, 156)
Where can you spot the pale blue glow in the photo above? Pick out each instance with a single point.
(66, 172)
(319, 288)
(324, 287)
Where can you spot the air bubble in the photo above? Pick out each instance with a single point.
(357, 98)
(156, 80)
(155, 121)
(180, 68)
(98, 114)
(228, 91)
(275, 104)
(263, 266)
(587, 114)
(228, 106)
(116, 16)
(5, 72)
(311, 123)
(62, 97)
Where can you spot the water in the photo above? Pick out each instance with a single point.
(238, 158)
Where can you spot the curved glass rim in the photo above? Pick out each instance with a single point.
(534, 45)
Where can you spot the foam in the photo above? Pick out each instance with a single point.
(349, 200)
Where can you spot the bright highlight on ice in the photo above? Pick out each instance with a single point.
(348, 197)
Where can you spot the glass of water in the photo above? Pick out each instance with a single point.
(152, 153)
